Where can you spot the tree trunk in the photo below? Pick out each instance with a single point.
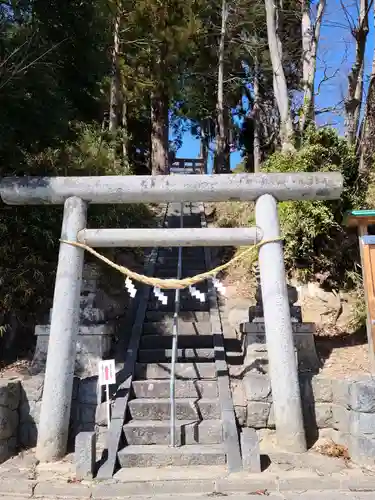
(159, 131)
(355, 78)
(256, 113)
(222, 149)
(204, 144)
(310, 40)
(279, 80)
(115, 93)
(367, 138)
(125, 132)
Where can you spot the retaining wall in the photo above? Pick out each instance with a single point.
(346, 407)
(10, 391)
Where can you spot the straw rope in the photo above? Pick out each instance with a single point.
(171, 283)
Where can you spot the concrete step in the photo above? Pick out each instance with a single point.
(184, 354)
(184, 371)
(184, 341)
(138, 432)
(186, 316)
(164, 455)
(186, 409)
(152, 388)
(190, 305)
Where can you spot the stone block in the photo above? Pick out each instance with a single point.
(362, 423)
(89, 285)
(323, 415)
(304, 343)
(32, 388)
(8, 448)
(240, 412)
(88, 391)
(362, 396)
(271, 424)
(340, 391)
(101, 414)
(256, 312)
(204, 432)
(10, 393)
(8, 422)
(362, 449)
(257, 414)
(322, 389)
(30, 411)
(341, 418)
(161, 455)
(250, 450)
(155, 432)
(28, 434)
(85, 455)
(86, 413)
(257, 387)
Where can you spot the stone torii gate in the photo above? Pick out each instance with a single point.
(75, 193)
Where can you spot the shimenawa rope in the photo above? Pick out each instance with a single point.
(171, 283)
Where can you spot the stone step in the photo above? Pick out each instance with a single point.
(186, 409)
(164, 455)
(190, 305)
(184, 328)
(184, 354)
(187, 260)
(185, 296)
(184, 316)
(233, 346)
(164, 341)
(138, 432)
(171, 272)
(152, 388)
(184, 371)
(187, 252)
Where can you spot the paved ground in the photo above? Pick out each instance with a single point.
(311, 477)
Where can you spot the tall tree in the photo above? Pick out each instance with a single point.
(222, 146)
(353, 99)
(366, 141)
(115, 80)
(280, 87)
(310, 39)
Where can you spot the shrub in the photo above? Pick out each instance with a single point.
(315, 241)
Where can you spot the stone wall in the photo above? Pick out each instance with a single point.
(345, 409)
(10, 393)
(87, 410)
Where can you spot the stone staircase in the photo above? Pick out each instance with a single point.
(199, 427)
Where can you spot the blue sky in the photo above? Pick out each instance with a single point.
(335, 57)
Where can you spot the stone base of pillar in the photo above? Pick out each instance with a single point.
(93, 344)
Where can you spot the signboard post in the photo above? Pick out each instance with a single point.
(107, 376)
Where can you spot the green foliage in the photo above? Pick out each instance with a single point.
(28, 256)
(315, 241)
